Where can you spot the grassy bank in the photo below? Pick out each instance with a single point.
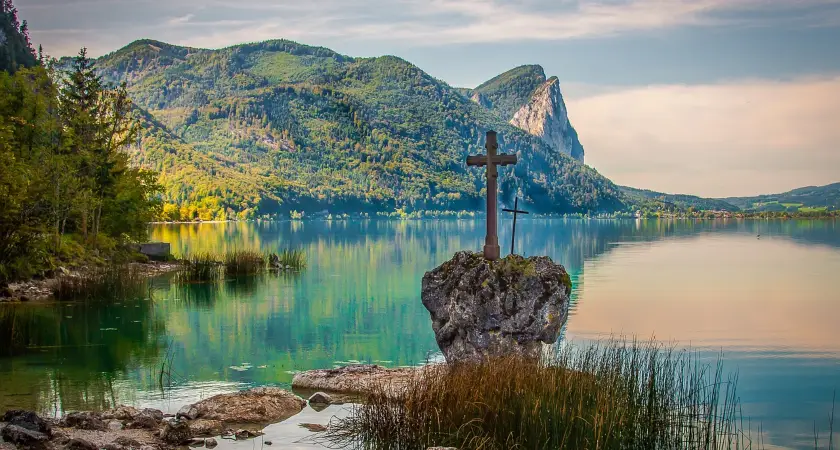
(612, 396)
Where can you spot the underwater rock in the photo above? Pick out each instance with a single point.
(257, 405)
(481, 308)
(210, 443)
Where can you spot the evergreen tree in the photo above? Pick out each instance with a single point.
(15, 48)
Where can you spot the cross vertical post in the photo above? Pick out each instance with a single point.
(515, 212)
(491, 160)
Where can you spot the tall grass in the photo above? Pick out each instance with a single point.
(288, 259)
(244, 263)
(201, 267)
(118, 282)
(616, 395)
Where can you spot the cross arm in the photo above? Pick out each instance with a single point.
(515, 211)
(501, 160)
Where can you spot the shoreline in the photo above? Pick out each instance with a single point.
(41, 291)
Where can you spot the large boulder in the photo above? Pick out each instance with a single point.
(483, 308)
(258, 405)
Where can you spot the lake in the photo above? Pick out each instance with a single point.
(763, 294)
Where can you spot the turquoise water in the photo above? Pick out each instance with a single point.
(770, 304)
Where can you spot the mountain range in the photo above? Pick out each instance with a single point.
(276, 128)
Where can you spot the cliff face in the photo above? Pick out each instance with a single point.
(545, 116)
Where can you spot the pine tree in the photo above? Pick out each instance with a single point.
(16, 51)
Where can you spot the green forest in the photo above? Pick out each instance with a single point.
(67, 189)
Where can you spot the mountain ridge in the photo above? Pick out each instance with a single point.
(324, 131)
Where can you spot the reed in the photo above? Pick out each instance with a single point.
(288, 260)
(616, 395)
(244, 263)
(200, 267)
(118, 282)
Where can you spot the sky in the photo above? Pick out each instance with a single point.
(708, 97)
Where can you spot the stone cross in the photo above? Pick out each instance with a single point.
(515, 212)
(491, 160)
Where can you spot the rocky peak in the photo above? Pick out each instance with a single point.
(545, 116)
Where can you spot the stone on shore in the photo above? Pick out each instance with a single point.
(481, 308)
(80, 444)
(320, 398)
(23, 437)
(28, 420)
(258, 405)
(84, 421)
(176, 432)
(205, 427)
(358, 379)
(210, 443)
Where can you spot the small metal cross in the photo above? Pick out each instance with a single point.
(515, 212)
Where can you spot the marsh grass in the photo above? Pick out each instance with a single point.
(118, 282)
(244, 263)
(288, 259)
(616, 395)
(200, 267)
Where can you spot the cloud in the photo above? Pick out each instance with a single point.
(737, 138)
(413, 22)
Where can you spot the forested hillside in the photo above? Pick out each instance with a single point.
(806, 199)
(273, 127)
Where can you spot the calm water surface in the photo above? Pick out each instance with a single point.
(770, 304)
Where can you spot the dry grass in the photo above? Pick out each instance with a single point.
(618, 395)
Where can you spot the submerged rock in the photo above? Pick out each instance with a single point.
(482, 308)
(210, 443)
(257, 405)
(314, 427)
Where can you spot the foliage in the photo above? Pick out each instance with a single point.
(619, 395)
(643, 199)
(16, 50)
(269, 128)
(63, 169)
(810, 199)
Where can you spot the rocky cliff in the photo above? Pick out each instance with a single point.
(545, 116)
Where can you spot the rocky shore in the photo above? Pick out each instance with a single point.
(42, 289)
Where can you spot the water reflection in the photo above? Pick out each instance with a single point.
(769, 302)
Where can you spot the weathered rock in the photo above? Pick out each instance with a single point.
(187, 412)
(126, 441)
(482, 308)
(358, 379)
(242, 433)
(193, 443)
(84, 421)
(268, 443)
(80, 444)
(257, 405)
(546, 117)
(28, 420)
(205, 427)
(210, 443)
(314, 427)
(121, 412)
(320, 398)
(23, 437)
(176, 432)
(154, 413)
(115, 425)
